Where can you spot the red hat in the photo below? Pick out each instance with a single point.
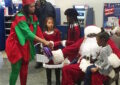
(26, 2)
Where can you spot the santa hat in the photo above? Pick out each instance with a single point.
(92, 29)
(27, 2)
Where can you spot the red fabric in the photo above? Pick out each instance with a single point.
(24, 72)
(55, 37)
(114, 48)
(13, 48)
(72, 50)
(71, 74)
(27, 2)
(98, 79)
(73, 35)
(12, 43)
(39, 32)
(119, 21)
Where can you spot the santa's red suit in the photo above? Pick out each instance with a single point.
(72, 73)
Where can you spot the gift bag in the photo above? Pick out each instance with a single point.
(48, 53)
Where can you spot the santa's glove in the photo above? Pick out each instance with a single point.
(58, 56)
(63, 43)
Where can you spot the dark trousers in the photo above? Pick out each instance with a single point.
(57, 74)
(87, 79)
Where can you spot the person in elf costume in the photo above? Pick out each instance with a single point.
(85, 47)
(20, 43)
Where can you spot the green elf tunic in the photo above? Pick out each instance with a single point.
(20, 43)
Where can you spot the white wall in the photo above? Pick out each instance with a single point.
(96, 4)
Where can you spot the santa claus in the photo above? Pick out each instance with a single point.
(85, 47)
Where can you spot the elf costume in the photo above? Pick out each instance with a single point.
(20, 44)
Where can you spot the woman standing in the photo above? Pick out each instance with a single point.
(20, 43)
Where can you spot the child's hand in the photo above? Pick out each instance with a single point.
(49, 44)
(94, 69)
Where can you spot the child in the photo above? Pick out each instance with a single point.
(20, 43)
(73, 28)
(52, 34)
(73, 34)
(101, 64)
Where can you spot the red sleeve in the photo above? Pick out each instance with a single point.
(76, 36)
(39, 32)
(68, 42)
(58, 37)
(114, 47)
(73, 49)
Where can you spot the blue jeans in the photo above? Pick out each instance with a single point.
(87, 79)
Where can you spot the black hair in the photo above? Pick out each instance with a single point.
(103, 36)
(25, 11)
(72, 13)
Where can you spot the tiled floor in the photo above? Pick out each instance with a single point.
(35, 76)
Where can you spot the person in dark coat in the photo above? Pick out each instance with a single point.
(44, 9)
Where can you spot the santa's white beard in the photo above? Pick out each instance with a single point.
(89, 47)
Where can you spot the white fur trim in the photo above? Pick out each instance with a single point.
(41, 58)
(112, 74)
(49, 33)
(63, 43)
(84, 64)
(114, 60)
(75, 24)
(52, 66)
(66, 61)
(58, 56)
(92, 29)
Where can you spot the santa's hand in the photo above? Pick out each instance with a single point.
(50, 44)
(63, 43)
(58, 56)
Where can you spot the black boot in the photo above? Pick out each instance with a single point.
(57, 73)
(48, 73)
